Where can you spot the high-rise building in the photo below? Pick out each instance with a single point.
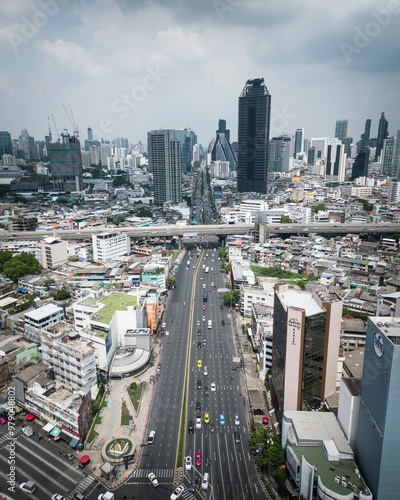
(5, 144)
(382, 135)
(222, 149)
(394, 192)
(298, 141)
(311, 156)
(53, 252)
(187, 139)
(306, 342)
(395, 170)
(387, 156)
(279, 153)
(105, 153)
(253, 137)
(360, 165)
(341, 129)
(320, 144)
(110, 246)
(366, 135)
(378, 436)
(335, 165)
(166, 166)
(89, 134)
(66, 164)
(347, 141)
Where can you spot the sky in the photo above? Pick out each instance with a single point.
(124, 67)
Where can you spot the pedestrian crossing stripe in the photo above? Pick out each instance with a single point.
(159, 473)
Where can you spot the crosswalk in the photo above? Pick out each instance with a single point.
(84, 484)
(159, 473)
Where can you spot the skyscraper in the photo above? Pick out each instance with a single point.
(298, 141)
(5, 144)
(378, 436)
(89, 134)
(387, 156)
(335, 166)
(341, 129)
(395, 170)
(382, 135)
(279, 154)
(305, 347)
(360, 165)
(187, 139)
(66, 164)
(166, 165)
(347, 141)
(253, 137)
(222, 149)
(365, 136)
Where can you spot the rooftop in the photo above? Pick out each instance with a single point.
(115, 302)
(302, 300)
(43, 312)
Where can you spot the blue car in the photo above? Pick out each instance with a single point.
(222, 419)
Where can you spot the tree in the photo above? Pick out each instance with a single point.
(144, 212)
(318, 208)
(48, 282)
(62, 295)
(285, 219)
(171, 282)
(5, 256)
(21, 265)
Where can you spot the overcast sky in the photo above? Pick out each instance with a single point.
(125, 67)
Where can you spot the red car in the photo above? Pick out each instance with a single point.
(204, 307)
(198, 458)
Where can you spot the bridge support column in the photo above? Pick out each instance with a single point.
(180, 243)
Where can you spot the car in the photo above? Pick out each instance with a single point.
(237, 419)
(237, 436)
(198, 332)
(153, 479)
(204, 342)
(198, 406)
(226, 281)
(198, 344)
(57, 496)
(206, 390)
(3, 421)
(194, 267)
(199, 384)
(211, 427)
(204, 318)
(201, 277)
(198, 458)
(204, 307)
(190, 427)
(204, 285)
(198, 423)
(223, 322)
(198, 323)
(221, 419)
(188, 463)
(199, 363)
(212, 269)
(195, 479)
(163, 325)
(78, 496)
(212, 283)
(205, 372)
(70, 456)
(207, 418)
(213, 387)
(152, 436)
(204, 484)
(221, 306)
(177, 492)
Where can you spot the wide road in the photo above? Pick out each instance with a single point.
(230, 464)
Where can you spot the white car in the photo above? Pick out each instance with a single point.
(57, 496)
(213, 387)
(153, 479)
(163, 325)
(198, 323)
(212, 283)
(205, 372)
(198, 423)
(204, 318)
(237, 419)
(152, 435)
(188, 463)
(177, 493)
(204, 285)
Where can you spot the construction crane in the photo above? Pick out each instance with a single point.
(55, 126)
(48, 121)
(72, 122)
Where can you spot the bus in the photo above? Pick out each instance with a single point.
(206, 271)
(205, 297)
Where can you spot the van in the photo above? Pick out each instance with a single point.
(209, 324)
(204, 484)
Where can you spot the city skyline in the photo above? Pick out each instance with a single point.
(166, 73)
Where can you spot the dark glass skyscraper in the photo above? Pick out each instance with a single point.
(365, 136)
(222, 149)
(253, 137)
(360, 165)
(382, 135)
(5, 144)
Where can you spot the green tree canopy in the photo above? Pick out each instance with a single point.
(171, 282)
(285, 219)
(62, 295)
(318, 208)
(21, 265)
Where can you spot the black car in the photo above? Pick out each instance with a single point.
(199, 332)
(199, 384)
(198, 406)
(221, 307)
(223, 323)
(190, 427)
(199, 344)
(237, 436)
(195, 479)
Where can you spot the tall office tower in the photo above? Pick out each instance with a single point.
(253, 137)
(298, 141)
(94, 152)
(105, 152)
(320, 144)
(378, 436)
(347, 141)
(166, 165)
(66, 164)
(394, 192)
(89, 134)
(382, 135)
(365, 136)
(360, 165)
(311, 156)
(395, 170)
(305, 347)
(279, 154)
(341, 129)
(387, 156)
(5, 144)
(222, 149)
(188, 139)
(335, 165)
